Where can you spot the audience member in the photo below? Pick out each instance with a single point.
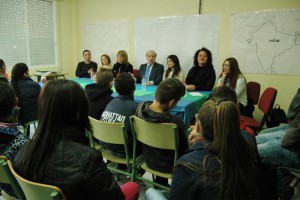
(151, 71)
(279, 147)
(87, 67)
(232, 76)
(3, 75)
(105, 61)
(174, 70)
(11, 139)
(60, 155)
(120, 109)
(122, 64)
(99, 93)
(223, 165)
(202, 75)
(224, 93)
(27, 92)
(167, 95)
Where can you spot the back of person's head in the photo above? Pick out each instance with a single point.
(224, 93)
(209, 57)
(230, 147)
(104, 77)
(63, 113)
(19, 70)
(63, 102)
(168, 90)
(125, 84)
(7, 99)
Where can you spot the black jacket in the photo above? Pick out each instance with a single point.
(28, 99)
(202, 77)
(119, 68)
(160, 159)
(98, 96)
(77, 169)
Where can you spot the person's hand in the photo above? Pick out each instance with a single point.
(190, 87)
(224, 75)
(90, 70)
(195, 135)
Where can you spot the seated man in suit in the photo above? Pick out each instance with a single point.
(152, 71)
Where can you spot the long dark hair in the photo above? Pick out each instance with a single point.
(209, 57)
(1, 63)
(17, 73)
(237, 157)
(177, 67)
(62, 106)
(235, 72)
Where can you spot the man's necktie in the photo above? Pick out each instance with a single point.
(147, 72)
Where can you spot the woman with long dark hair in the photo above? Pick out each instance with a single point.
(174, 70)
(59, 154)
(223, 164)
(232, 76)
(27, 92)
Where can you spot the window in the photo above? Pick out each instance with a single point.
(27, 33)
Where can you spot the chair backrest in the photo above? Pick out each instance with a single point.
(267, 99)
(159, 135)
(266, 103)
(37, 191)
(3, 177)
(253, 91)
(135, 72)
(109, 132)
(7, 177)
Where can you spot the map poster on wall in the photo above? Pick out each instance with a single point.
(179, 35)
(267, 42)
(106, 38)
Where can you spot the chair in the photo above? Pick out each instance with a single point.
(36, 191)
(265, 104)
(135, 72)
(158, 135)
(253, 91)
(113, 133)
(27, 127)
(6, 177)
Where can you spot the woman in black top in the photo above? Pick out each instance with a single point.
(122, 64)
(202, 75)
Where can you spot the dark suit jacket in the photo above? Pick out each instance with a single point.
(156, 74)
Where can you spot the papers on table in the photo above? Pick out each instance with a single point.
(196, 94)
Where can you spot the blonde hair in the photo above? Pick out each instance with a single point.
(124, 54)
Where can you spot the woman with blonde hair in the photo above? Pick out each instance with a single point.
(122, 64)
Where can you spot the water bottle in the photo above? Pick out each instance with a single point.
(92, 75)
(144, 83)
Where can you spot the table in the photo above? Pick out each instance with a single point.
(186, 108)
(49, 75)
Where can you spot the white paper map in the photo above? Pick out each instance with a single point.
(267, 42)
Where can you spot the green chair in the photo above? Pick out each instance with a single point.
(158, 135)
(36, 191)
(113, 133)
(27, 126)
(7, 177)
